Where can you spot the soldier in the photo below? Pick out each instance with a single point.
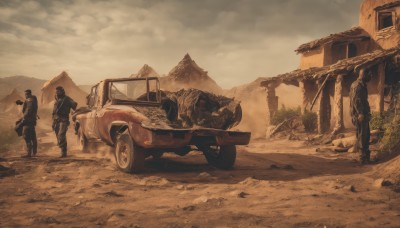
(28, 121)
(61, 110)
(361, 113)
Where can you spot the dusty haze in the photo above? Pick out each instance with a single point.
(236, 41)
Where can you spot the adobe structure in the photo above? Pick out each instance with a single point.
(329, 65)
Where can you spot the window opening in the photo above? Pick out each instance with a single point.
(385, 20)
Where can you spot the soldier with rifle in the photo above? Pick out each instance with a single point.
(361, 113)
(61, 110)
(26, 125)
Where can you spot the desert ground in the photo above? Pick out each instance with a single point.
(275, 183)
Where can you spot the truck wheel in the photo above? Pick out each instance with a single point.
(129, 157)
(222, 157)
(82, 141)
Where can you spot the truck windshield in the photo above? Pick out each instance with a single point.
(135, 90)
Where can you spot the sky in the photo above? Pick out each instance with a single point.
(236, 41)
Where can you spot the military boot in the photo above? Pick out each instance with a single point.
(28, 151)
(34, 150)
(365, 157)
(63, 152)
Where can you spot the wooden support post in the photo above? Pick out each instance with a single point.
(381, 87)
(272, 102)
(304, 100)
(338, 109)
(323, 111)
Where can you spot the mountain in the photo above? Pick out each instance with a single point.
(145, 71)
(20, 83)
(71, 89)
(187, 74)
(7, 104)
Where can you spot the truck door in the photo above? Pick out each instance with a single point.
(90, 127)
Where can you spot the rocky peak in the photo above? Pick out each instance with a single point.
(146, 71)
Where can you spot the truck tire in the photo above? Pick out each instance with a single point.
(83, 143)
(128, 157)
(222, 157)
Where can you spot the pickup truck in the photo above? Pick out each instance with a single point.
(129, 115)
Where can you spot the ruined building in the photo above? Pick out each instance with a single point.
(329, 65)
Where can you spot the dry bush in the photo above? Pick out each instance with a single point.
(309, 120)
(285, 114)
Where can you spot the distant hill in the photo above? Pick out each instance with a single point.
(7, 104)
(187, 74)
(21, 83)
(145, 71)
(71, 89)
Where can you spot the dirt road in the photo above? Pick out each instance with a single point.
(274, 184)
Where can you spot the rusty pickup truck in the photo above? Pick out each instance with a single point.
(127, 114)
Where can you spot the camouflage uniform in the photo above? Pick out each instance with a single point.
(29, 110)
(359, 105)
(61, 110)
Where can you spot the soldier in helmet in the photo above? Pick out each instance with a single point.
(28, 122)
(61, 110)
(361, 113)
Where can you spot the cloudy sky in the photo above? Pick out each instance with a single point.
(236, 41)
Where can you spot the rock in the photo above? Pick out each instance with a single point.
(238, 194)
(180, 187)
(154, 181)
(382, 183)
(249, 181)
(48, 220)
(352, 149)
(201, 199)
(337, 143)
(325, 149)
(273, 166)
(341, 149)
(351, 188)
(189, 208)
(288, 167)
(204, 175)
(112, 194)
(242, 195)
(345, 142)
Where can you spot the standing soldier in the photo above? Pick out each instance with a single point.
(361, 113)
(61, 110)
(28, 122)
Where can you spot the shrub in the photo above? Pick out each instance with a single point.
(309, 120)
(378, 121)
(285, 114)
(391, 137)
